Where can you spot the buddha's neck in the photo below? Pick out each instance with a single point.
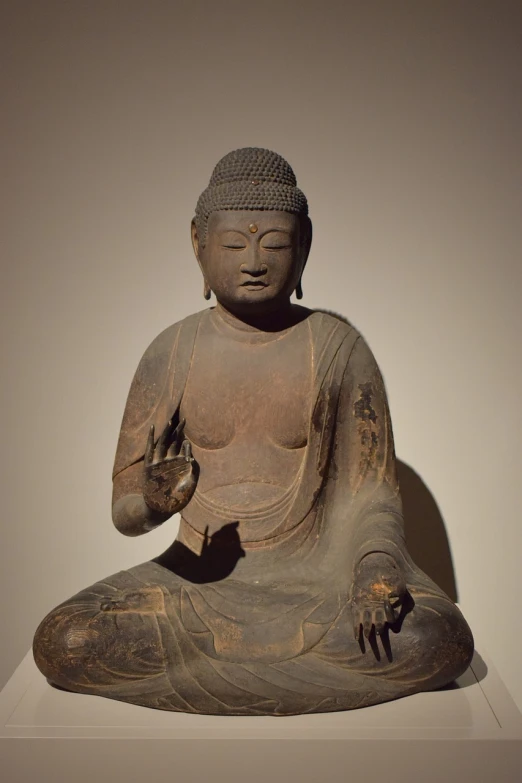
(275, 321)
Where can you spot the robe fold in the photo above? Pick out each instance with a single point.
(275, 635)
(350, 458)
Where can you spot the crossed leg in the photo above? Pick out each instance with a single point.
(123, 638)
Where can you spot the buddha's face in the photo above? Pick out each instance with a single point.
(252, 260)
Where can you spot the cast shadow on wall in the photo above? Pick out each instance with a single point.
(426, 538)
(428, 545)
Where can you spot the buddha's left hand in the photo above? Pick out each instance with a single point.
(379, 589)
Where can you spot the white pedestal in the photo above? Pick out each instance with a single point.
(472, 731)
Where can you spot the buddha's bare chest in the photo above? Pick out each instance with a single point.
(241, 392)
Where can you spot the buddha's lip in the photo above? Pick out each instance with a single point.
(255, 283)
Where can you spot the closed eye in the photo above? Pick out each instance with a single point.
(276, 247)
(235, 247)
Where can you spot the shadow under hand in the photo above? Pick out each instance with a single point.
(218, 558)
(426, 538)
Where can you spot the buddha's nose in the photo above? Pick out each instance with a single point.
(254, 267)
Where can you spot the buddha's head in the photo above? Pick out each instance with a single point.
(251, 233)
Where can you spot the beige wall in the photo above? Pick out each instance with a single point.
(403, 123)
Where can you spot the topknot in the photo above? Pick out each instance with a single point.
(250, 178)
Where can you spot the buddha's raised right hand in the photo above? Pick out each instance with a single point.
(170, 471)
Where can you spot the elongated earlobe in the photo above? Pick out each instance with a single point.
(299, 290)
(206, 290)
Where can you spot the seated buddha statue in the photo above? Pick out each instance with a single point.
(265, 425)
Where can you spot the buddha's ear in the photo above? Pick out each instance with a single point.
(197, 247)
(305, 238)
(195, 240)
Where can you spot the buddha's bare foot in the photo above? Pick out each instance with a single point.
(149, 600)
(379, 590)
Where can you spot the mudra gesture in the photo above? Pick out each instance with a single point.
(289, 588)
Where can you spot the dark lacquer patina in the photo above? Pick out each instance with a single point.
(265, 425)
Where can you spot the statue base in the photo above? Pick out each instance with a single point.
(472, 728)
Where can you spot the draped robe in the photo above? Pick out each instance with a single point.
(274, 635)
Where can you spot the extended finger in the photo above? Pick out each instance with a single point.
(163, 442)
(357, 626)
(367, 623)
(149, 449)
(379, 620)
(177, 439)
(187, 450)
(388, 610)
